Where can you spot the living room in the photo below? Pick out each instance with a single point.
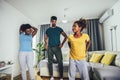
(13, 13)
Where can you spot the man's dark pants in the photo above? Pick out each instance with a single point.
(58, 54)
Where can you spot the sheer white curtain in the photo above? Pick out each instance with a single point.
(43, 29)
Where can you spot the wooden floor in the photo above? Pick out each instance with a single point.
(38, 77)
(46, 78)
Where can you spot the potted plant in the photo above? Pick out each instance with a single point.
(39, 51)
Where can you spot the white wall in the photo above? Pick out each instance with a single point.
(10, 20)
(112, 21)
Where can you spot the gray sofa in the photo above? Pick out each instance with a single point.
(106, 72)
(97, 71)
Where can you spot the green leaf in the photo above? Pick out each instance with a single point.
(39, 44)
(40, 58)
(38, 51)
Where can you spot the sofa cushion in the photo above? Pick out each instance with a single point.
(96, 57)
(105, 72)
(108, 58)
(98, 65)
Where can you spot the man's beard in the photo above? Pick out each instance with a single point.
(53, 25)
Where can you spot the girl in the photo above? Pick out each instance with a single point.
(26, 56)
(78, 44)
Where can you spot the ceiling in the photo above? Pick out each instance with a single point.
(40, 11)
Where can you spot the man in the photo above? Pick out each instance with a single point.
(52, 38)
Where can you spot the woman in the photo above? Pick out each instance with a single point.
(26, 56)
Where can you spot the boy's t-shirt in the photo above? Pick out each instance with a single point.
(78, 46)
(54, 36)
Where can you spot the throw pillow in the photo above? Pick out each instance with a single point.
(96, 57)
(108, 58)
